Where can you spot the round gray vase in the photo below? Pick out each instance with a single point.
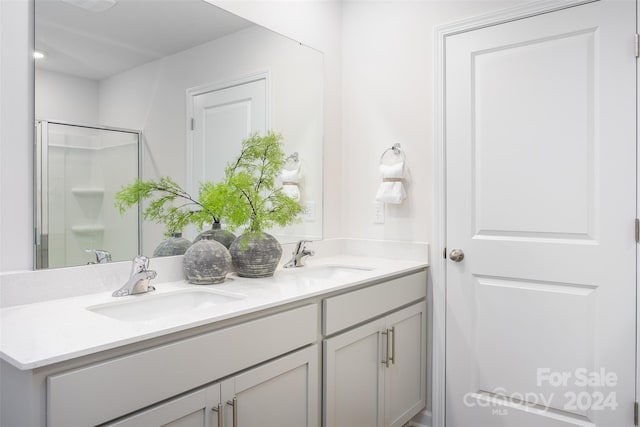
(174, 245)
(206, 262)
(218, 234)
(255, 255)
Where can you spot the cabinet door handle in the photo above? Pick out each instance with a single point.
(219, 410)
(234, 405)
(392, 334)
(386, 360)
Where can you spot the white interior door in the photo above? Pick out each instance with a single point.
(541, 149)
(222, 119)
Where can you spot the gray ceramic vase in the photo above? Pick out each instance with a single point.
(206, 262)
(218, 234)
(174, 245)
(256, 255)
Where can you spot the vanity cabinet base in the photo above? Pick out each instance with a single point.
(281, 393)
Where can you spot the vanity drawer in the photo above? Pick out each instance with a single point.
(104, 391)
(343, 311)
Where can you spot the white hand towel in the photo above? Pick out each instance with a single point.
(290, 180)
(391, 189)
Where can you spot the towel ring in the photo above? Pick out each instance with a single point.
(294, 157)
(292, 162)
(396, 150)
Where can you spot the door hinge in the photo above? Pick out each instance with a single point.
(635, 413)
(637, 44)
(637, 230)
(193, 123)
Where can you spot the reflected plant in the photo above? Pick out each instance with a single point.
(253, 198)
(247, 197)
(173, 206)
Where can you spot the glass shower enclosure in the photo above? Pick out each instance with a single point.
(78, 171)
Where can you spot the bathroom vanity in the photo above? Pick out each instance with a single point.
(340, 342)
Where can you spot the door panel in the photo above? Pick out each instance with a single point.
(282, 393)
(555, 129)
(354, 377)
(405, 378)
(223, 118)
(540, 148)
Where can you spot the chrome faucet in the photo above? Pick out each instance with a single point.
(299, 255)
(102, 256)
(138, 283)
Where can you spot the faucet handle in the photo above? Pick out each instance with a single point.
(102, 256)
(301, 245)
(139, 264)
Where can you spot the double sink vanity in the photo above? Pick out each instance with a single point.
(339, 342)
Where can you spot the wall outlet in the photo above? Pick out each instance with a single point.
(309, 211)
(378, 212)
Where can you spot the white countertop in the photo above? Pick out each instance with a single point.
(42, 333)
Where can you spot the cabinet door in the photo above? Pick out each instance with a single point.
(353, 374)
(405, 378)
(191, 410)
(282, 393)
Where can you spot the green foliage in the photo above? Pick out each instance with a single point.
(253, 198)
(173, 206)
(248, 196)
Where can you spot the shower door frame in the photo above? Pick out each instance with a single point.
(41, 186)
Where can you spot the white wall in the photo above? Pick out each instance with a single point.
(66, 98)
(16, 135)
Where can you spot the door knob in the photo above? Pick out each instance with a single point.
(456, 255)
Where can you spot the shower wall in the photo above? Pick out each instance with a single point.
(83, 169)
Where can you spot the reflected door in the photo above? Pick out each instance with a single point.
(222, 119)
(79, 170)
(541, 171)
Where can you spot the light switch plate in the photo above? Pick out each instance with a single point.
(309, 211)
(378, 212)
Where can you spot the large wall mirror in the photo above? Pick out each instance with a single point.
(152, 88)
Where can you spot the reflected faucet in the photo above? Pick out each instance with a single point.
(102, 256)
(138, 283)
(299, 255)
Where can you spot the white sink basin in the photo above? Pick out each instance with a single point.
(155, 306)
(326, 272)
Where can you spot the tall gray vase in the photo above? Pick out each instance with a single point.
(218, 234)
(255, 255)
(206, 262)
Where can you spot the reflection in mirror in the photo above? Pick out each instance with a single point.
(78, 171)
(194, 80)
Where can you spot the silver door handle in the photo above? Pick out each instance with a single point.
(386, 359)
(392, 334)
(219, 410)
(456, 255)
(234, 405)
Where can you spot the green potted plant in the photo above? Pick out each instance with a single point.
(213, 198)
(206, 261)
(255, 201)
(176, 208)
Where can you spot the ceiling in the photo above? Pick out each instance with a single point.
(96, 45)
